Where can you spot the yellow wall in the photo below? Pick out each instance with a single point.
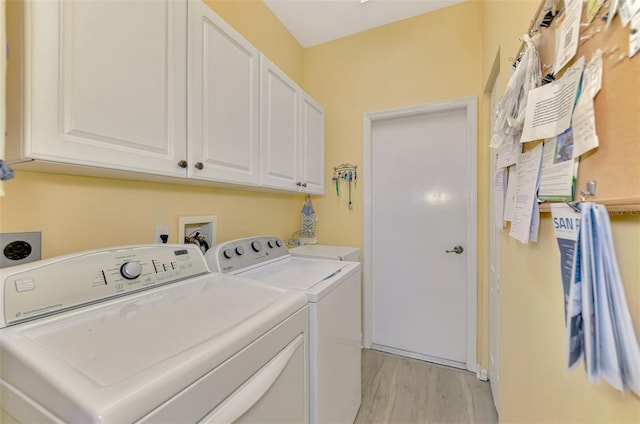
(255, 21)
(77, 213)
(424, 59)
(534, 384)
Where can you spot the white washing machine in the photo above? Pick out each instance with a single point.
(334, 295)
(148, 334)
(323, 251)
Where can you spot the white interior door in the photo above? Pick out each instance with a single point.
(423, 205)
(494, 268)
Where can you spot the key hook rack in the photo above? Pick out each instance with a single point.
(347, 172)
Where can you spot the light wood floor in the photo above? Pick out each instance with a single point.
(400, 390)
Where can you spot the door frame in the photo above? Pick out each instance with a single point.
(470, 106)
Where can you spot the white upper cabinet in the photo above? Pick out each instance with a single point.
(279, 116)
(311, 144)
(154, 90)
(292, 134)
(104, 84)
(223, 101)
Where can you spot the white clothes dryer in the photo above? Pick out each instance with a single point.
(323, 251)
(148, 334)
(334, 295)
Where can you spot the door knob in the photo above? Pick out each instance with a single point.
(457, 249)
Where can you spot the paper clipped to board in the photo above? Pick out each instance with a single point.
(549, 108)
(567, 34)
(525, 201)
(559, 168)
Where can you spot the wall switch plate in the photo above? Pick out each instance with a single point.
(19, 248)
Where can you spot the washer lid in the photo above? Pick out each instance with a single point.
(316, 277)
(118, 360)
(319, 251)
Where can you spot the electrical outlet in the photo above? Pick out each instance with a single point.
(206, 225)
(160, 230)
(19, 248)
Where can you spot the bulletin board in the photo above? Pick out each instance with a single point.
(615, 164)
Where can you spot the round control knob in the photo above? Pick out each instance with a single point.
(228, 253)
(278, 243)
(131, 270)
(271, 243)
(239, 250)
(256, 246)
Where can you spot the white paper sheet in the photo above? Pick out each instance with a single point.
(510, 197)
(528, 170)
(585, 137)
(500, 185)
(592, 77)
(549, 107)
(634, 35)
(567, 34)
(628, 8)
(558, 168)
(508, 154)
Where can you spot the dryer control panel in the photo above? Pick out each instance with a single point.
(242, 254)
(57, 284)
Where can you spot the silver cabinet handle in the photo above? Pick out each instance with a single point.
(457, 249)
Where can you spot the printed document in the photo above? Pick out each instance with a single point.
(599, 325)
(528, 173)
(583, 122)
(500, 185)
(549, 107)
(628, 8)
(510, 197)
(567, 34)
(508, 154)
(566, 224)
(634, 35)
(585, 137)
(557, 178)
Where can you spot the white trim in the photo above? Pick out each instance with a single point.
(481, 373)
(419, 356)
(470, 105)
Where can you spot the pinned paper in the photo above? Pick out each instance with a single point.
(584, 128)
(507, 154)
(628, 8)
(549, 107)
(593, 6)
(634, 35)
(528, 171)
(558, 168)
(567, 34)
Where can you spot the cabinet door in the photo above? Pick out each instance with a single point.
(223, 98)
(105, 84)
(279, 117)
(311, 145)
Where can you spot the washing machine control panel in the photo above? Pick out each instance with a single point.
(236, 255)
(52, 285)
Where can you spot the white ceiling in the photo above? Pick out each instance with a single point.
(313, 22)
